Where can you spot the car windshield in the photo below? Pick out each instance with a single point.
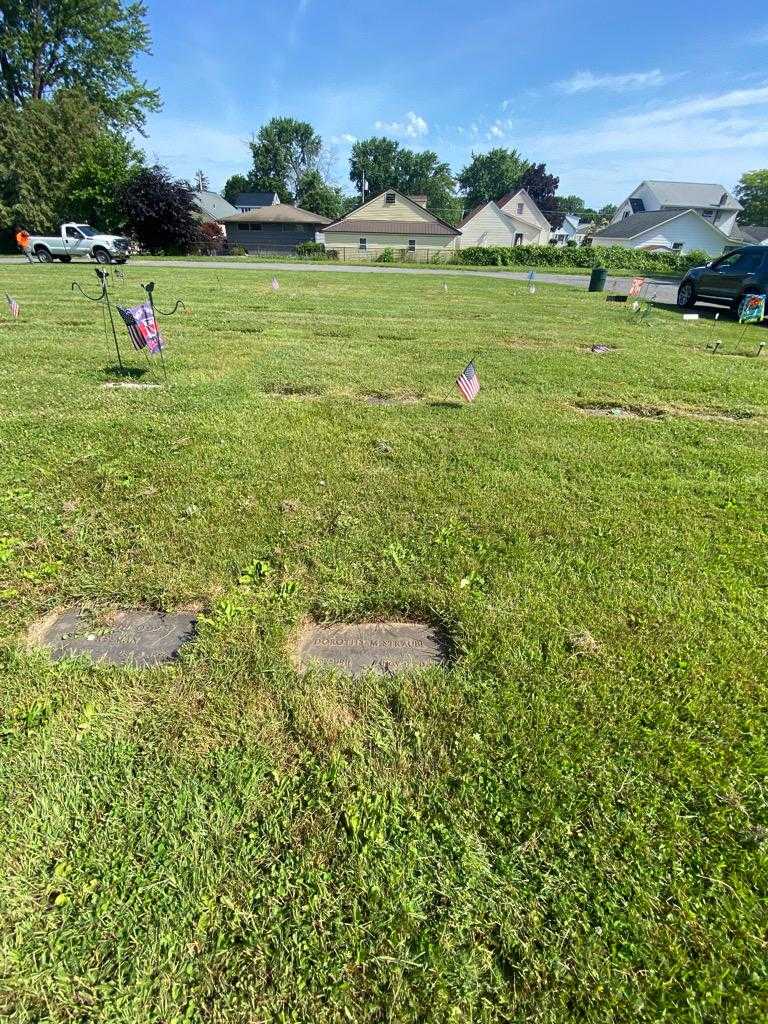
(86, 229)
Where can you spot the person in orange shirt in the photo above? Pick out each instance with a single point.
(22, 240)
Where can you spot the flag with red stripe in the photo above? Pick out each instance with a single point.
(468, 382)
(13, 306)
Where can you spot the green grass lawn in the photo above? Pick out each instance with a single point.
(569, 825)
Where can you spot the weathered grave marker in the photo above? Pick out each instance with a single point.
(383, 647)
(130, 637)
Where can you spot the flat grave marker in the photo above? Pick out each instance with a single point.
(383, 647)
(139, 638)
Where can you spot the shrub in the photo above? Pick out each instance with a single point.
(211, 241)
(386, 256)
(612, 258)
(237, 250)
(313, 250)
(332, 254)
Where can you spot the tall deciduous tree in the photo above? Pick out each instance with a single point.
(318, 196)
(46, 45)
(383, 163)
(42, 147)
(752, 193)
(104, 168)
(284, 150)
(158, 211)
(201, 181)
(491, 175)
(234, 186)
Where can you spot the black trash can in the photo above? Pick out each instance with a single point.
(597, 279)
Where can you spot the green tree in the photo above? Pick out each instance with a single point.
(105, 166)
(284, 150)
(158, 211)
(42, 148)
(201, 181)
(385, 164)
(752, 193)
(47, 45)
(318, 196)
(234, 186)
(570, 204)
(491, 175)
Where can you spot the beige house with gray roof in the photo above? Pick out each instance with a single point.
(391, 221)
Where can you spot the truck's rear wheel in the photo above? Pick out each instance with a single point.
(43, 255)
(102, 256)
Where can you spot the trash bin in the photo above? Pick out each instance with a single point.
(597, 279)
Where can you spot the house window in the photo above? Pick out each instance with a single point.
(243, 227)
(708, 214)
(520, 208)
(626, 214)
(363, 245)
(255, 227)
(677, 246)
(518, 238)
(389, 199)
(411, 245)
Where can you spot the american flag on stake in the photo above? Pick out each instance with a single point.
(468, 382)
(13, 306)
(142, 328)
(275, 285)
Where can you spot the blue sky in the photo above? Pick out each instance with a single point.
(605, 94)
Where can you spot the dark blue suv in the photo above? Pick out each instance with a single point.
(726, 280)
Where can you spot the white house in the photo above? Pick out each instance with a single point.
(712, 201)
(665, 231)
(514, 220)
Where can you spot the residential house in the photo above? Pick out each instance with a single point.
(569, 231)
(275, 227)
(665, 231)
(514, 220)
(712, 203)
(211, 208)
(394, 221)
(248, 201)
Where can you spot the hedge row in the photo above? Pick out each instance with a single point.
(612, 258)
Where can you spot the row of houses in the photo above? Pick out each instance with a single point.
(668, 216)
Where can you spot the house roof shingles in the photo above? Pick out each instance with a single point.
(280, 213)
(256, 199)
(635, 224)
(688, 194)
(754, 232)
(212, 206)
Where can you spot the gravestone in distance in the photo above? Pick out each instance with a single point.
(384, 647)
(138, 638)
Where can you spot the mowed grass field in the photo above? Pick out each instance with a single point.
(569, 825)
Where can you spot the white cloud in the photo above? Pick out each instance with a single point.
(586, 81)
(413, 127)
(345, 137)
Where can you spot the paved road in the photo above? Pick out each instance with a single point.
(663, 289)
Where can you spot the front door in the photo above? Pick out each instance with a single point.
(73, 240)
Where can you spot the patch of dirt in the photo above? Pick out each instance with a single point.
(726, 415)
(390, 399)
(129, 385)
(294, 391)
(600, 350)
(620, 411)
(583, 644)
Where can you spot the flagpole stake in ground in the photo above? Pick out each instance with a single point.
(103, 298)
(13, 306)
(468, 382)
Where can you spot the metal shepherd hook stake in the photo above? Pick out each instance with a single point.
(149, 288)
(103, 296)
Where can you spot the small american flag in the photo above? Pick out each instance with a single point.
(636, 286)
(468, 382)
(142, 328)
(13, 306)
(275, 285)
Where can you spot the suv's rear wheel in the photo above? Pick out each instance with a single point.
(43, 255)
(686, 295)
(102, 256)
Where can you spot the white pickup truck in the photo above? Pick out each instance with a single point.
(79, 240)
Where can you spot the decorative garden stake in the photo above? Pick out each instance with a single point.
(149, 289)
(103, 298)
